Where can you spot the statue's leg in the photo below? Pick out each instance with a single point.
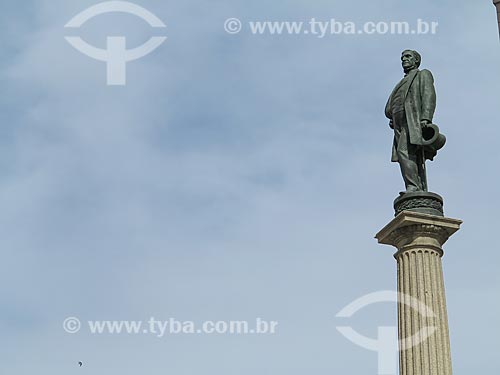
(421, 168)
(408, 158)
(409, 169)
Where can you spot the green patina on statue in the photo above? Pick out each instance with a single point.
(410, 109)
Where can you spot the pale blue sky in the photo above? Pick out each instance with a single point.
(234, 177)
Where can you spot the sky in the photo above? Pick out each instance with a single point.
(234, 177)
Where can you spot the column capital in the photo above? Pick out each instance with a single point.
(410, 230)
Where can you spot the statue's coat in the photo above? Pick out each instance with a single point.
(420, 104)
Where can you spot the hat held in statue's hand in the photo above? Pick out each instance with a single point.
(432, 140)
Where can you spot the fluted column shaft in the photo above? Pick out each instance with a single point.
(422, 315)
(424, 340)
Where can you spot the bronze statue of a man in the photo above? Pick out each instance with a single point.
(410, 109)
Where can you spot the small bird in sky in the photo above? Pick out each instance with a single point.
(80, 363)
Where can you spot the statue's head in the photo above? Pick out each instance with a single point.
(410, 60)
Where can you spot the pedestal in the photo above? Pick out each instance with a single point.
(424, 340)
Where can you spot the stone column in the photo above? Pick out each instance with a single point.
(497, 5)
(424, 340)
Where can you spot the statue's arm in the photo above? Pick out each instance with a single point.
(388, 112)
(427, 95)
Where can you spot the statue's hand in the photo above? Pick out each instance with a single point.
(391, 124)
